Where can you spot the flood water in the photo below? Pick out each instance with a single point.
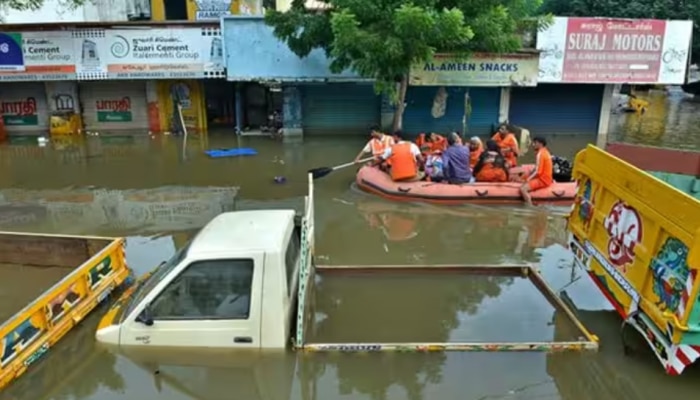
(145, 189)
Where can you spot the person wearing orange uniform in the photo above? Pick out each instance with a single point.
(475, 150)
(377, 145)
(491, 166)
(404, 158)
(542, 176)
(508, 144)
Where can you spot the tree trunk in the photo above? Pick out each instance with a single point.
(400, 104)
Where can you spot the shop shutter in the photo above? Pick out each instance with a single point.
(339, 108)
(114, 105)
(24, 108)
(557, 108)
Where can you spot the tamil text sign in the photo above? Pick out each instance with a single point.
(148, 54)
(477, 70)
(48, 56)
(603, 50)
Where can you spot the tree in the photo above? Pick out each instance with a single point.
(638, 9)
(381, 39)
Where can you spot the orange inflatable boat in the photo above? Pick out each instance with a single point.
(375, 181)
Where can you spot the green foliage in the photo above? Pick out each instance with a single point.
(652, 9)
(381, 39)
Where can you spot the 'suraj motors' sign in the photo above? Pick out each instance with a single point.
(603, 50)
(20, 112)
(114, 110)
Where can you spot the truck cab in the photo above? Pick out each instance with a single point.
(234, 285)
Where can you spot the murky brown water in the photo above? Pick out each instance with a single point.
(142, 188)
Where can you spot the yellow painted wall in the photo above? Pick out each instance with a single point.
(250, 7)
(193, 111)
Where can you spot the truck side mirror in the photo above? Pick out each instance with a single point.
(145, 317)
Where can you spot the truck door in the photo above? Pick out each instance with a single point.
(209, 303)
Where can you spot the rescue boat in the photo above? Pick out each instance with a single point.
(375, 181)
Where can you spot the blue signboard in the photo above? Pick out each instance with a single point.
(11, 57)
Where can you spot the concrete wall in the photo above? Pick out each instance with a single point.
(253, 53)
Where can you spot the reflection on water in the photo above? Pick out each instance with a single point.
(143, 184)
(672, 120)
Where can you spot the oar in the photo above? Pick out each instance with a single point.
(323, 171)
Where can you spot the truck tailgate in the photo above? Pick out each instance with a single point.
(639, 239)
(76, 273)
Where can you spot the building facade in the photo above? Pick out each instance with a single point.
(116, 66)
(566, 89)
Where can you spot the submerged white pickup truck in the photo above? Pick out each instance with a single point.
(210, 293)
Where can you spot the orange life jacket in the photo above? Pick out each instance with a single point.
(439, 144)
(474, 156)
(378, 146)
(545, 167)
(403, 163)
(508, 143)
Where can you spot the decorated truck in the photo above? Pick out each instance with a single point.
(638, 238)
(48, 284)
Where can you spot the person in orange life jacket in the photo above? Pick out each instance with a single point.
(404, 157)
(377, 145)
(542, 176)
(491, 166)
(508, 144)
(475, 150)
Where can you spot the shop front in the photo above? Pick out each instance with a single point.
(109, 80)
(464, 95)
(309, 97)
(24, 108)
(576, 79)
(557, 109)
(340, 108)
(114, 106)
(442, 109)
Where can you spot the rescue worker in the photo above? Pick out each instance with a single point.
(404, 158)
(508, 144)
(542, 176)
(491, 166)
(437, 142)
(475, 150)
(377, 145)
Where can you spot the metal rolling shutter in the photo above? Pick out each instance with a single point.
(100, 120)
(486, 104)
(557, 108)
(419, 103)
(24, 107)
(339, 108)
(418, 117)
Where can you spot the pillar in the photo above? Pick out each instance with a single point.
(239, 108)
(504, 110)
(604, 119)
(387, 113)
(291, 112)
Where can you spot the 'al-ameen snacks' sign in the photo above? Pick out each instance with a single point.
(477, 70)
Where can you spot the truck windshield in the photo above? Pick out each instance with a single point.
(149, 283)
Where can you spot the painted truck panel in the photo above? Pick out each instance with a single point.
(639, 240)
(30, 333)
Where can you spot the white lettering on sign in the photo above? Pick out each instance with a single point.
(625, 230)
(481, 67)
(620, 42)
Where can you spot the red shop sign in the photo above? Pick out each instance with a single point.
(614, 51)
